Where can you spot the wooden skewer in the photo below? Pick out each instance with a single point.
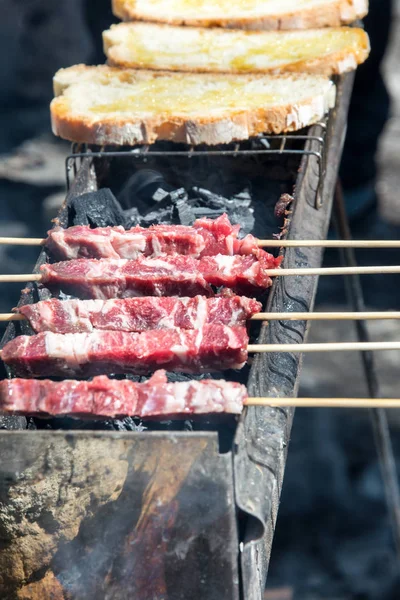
(270, 272)
(333, 271)
(276, 243)
(20, 241)
(325, 316)
(273, 243)
(326, 402)
(285, 316)
(12, 317)
(20, 278)
(325, 347)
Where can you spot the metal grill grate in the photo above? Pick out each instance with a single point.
(313, 142)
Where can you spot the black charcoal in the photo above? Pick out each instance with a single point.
(201, 211)
(185, 212)
(143, 190)
(133, 218)
(96, 209)
(244, 217)
(159, 195)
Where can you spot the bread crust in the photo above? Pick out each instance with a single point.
(341, 12)
(335, 63)
(211, 130)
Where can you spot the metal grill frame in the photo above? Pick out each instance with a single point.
(314, 146)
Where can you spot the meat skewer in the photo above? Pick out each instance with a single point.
(38, 322)
(211, 348)
(265, 243)
(163, 276)
(138, 314)
(207, 237)
(109, 398)
(237, 279)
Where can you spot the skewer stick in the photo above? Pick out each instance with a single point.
(20, 278)
(325, 347)
(334, 271)
(20, 241)
(326, 402)
(276, 243)
(12, 317)
(325, 316)
(270, 272)
(273, 243)
(285, 316)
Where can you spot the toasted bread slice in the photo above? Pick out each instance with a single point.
(244, 14)
(106, 105)
(162, 47)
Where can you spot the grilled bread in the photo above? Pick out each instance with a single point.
(106, 105)
(244, 14)
(162, 47)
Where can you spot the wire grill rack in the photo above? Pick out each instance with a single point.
(310, 144)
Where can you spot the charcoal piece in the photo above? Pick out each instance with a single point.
(96, 209)
(133, 217)
(159, 195)
(245, 218)
(238, 207)
(158, 217)
(210, 213)
(143, 190)
(243, 198)
(212, 200)
(164, 211)
(178, 194)
(186, 214)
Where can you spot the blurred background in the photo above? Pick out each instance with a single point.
(333, 540)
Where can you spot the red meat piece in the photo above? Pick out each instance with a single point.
(111, 398)
(212, 348)
(162, 276)
(138, 314)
